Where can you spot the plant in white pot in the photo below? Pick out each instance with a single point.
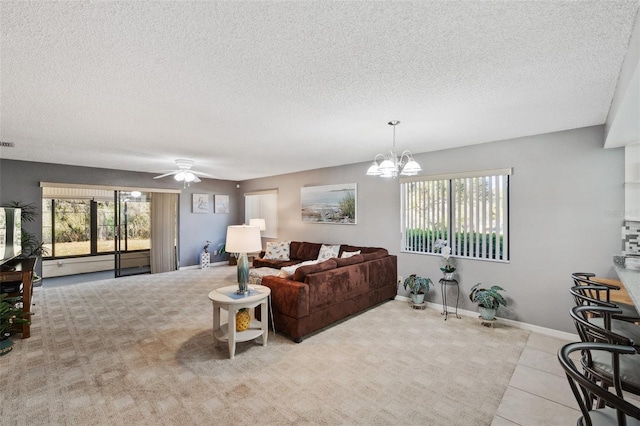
(488, 299)
(445, 251)
(417, 286)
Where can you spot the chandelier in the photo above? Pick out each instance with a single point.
(390, 166)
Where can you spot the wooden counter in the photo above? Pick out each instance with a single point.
(21, 270)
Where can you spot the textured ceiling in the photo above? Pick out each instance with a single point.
(252, 89)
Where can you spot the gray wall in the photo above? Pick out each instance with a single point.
(567, 200)
(20, 181)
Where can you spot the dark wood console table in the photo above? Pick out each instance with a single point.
(21, 270)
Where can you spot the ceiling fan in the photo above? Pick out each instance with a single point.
(184, 173)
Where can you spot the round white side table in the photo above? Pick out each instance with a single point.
(227, 299)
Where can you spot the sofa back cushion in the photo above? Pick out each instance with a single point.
(301, 273)
(288, 271)
(305, 251)
(346, 261)
(379, 254)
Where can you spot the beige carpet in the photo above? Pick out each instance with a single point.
(139, 350)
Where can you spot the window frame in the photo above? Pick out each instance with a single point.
(93, 230)
(471, 242)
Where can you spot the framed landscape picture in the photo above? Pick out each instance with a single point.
(200, 203)
(334, 204)
(221, 203)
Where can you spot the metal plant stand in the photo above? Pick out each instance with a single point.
(443, 287)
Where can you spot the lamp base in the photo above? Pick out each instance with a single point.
(243, 274)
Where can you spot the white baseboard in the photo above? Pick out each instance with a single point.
(522, 325)
(184, 268)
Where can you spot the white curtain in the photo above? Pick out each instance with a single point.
(163, 232)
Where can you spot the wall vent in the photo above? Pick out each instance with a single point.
(6, 145)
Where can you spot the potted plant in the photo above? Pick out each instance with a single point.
(448, 268)
(10, 315)
(488, 299)
(418, 286)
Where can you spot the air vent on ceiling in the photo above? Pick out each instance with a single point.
(6, 145)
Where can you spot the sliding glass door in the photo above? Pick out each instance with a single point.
(132, 233)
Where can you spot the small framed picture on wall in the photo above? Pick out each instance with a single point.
(221, 203)
(200, 203)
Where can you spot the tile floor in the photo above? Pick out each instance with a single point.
(539, 393)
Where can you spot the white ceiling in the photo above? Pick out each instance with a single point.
(252, 89)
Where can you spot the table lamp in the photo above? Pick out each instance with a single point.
(243, 239)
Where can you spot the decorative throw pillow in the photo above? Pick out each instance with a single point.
(277, 250)
(346, 254)
(327, 252)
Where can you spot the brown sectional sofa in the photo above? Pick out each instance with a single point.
(319, 295)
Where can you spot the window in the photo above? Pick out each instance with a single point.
(80, 222)
(468, 211)
(263, 205)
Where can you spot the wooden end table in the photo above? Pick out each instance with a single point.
(227, 299)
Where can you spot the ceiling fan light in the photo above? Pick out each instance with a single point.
(189, 177)
(180, 176)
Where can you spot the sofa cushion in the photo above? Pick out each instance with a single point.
(302, 272)
(375, 255)
(346, 254)
(328, 251)
(346, 261)
(306, 251)
(277, 250)
(329, 289)
(272, 263)
(288, 271)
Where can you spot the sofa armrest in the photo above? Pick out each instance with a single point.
(287, 296)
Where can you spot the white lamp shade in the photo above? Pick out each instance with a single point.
(387, 165)
(412, 166)
(243, 239)
(374, 170)
(260, 223)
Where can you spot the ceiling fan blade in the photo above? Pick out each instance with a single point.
(203, 174)
(195, 179)
(166, 174)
